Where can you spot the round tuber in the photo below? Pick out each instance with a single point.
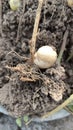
(14, 4)
(45, 57)
(70, 3)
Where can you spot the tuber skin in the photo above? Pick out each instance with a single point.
(14, 4)
(70, 3)
(45, 57)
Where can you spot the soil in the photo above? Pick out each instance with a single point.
(30, 90)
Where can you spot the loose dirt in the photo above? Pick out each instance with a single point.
(30, 90)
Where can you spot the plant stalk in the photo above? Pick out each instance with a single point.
(35, 30)
(62, 47)
(1, 18)
(64, 104)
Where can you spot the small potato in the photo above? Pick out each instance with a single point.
(70, 3)
(45, 57)
(14, 4)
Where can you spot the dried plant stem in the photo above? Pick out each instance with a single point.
(0, 17)
(36, 24)
(62, 47)
(71, 55)
(20, 21)
(64, 104)
(67, 109)
(29, 122)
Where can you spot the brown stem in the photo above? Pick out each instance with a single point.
(62, 47)
(36, 24)
(0, 17)
(20, 21)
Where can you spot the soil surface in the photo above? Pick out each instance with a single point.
(30, 90)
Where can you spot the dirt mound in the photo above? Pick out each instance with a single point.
(32, 91)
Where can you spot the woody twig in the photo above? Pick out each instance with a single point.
(34, 35)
